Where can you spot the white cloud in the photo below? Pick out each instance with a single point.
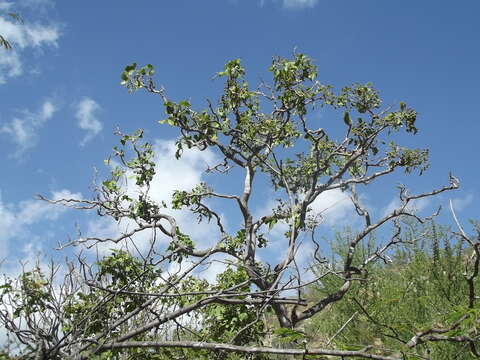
(299, 4)
(292, 4)
(16, 219)
(86, 114)
(32, 211)
(208, 270)
(461, 203)
(414, 206)
(37, 4)
(37, 35)
(7, 224)
(10, 65)
(334, 207)
(22, 36)
(171, 175)
(48, 109)
(216, 266)
(23, 130)
(5, 5)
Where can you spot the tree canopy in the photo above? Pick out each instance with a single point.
(130, 304)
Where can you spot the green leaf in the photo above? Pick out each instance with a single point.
(131, 67)
(346, 119)
(271, 222)
(288, 335)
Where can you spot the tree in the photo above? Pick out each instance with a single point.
(424, 287)
(127, 305)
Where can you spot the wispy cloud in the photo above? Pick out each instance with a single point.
(10, 65)
(334, 208)
(23, 130)
(23, 36)
(16, 220)
(5, 5)
(32, 211)
(460, 203)
(86, 114)
(28, 35)
(299, 4)
(292, 4)
(37, 4)
(415, 206)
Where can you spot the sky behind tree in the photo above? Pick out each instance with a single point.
(62, 98)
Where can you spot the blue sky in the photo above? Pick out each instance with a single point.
(61, 97)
